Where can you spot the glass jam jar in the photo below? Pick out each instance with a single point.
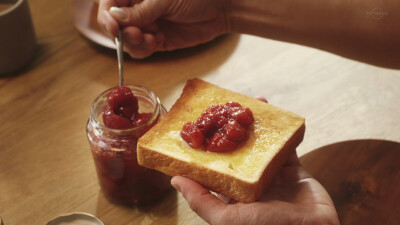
(121, 179)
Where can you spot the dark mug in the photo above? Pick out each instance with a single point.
(17, 35)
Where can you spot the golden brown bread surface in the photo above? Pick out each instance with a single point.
(242, 174)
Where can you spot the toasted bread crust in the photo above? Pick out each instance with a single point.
(280, 159)
(152, 155)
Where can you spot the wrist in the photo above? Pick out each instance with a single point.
(284, 20)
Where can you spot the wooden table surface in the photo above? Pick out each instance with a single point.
(46, 167)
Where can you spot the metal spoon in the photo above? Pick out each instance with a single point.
(120, 54)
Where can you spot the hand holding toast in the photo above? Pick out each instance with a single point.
(295, 197)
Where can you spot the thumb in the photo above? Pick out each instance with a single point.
(200, 200)
(141, 14)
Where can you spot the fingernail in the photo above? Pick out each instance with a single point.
(261, 99)
(175, 185)
(121, 14)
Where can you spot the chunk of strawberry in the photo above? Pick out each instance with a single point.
(233, 105)
(127, 111)
(192, 135)
(219, 143)
(206, 125)
(141, 118)
(234, 131)
(114, 121)
(244, 116)
(219, 115)
(223, 127)
(123, 102)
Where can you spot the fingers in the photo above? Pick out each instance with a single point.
(226, 199)
(141, 14)
(200, 200)
(292, 171)
(107, 4)
(121, 3)
(138, 42)
(133, 35)
(143, 49)
(106, 21)
(293, 159)
(261, 99)
(109, 24)
(140, 45)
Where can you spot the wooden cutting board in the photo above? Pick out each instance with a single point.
(362, 177)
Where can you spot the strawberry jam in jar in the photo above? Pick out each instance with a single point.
(118, 118)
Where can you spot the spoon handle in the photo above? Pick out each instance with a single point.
(120, 55)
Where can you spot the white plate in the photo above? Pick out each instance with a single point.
(77, 218)
(85, 20)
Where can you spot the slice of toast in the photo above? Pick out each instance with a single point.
(241, 174)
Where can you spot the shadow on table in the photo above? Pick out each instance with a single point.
(163, 211)
(362, 177)
(226, 44)
(166, 72)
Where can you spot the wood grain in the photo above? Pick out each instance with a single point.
(46, 167)
(362, 177)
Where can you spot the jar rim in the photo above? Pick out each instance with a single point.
(133, 87)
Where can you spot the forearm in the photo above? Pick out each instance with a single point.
(348, 28)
